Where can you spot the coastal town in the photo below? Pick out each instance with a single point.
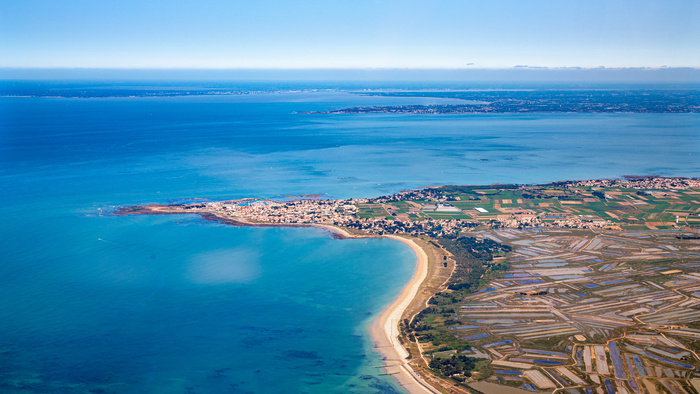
(451, 210)
(577, 286)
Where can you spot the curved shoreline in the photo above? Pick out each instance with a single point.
(162, 209)
(385, 329)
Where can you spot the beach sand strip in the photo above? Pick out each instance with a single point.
(385, 330)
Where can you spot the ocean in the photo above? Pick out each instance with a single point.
(92, 302)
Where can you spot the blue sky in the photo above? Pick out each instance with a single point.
(349, 34)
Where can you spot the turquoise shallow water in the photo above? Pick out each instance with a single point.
(90, 301)
(174, 304)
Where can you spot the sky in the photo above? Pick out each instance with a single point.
(356, 34)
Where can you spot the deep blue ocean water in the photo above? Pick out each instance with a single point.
(95, 302)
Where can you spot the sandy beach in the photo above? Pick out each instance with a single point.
(385, 330)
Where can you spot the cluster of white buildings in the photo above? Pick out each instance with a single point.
(343, 213)
(337, 212)
(644, 183)
(431, 227)
(569, 221)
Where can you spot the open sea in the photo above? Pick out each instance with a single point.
(91, 302)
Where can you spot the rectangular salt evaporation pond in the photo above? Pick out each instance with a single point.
(601, 360)
(511, 378)
(560, 271)
(510, 364)
(495, 321)
(629, 366)
(546, 362)
(538, 378)
(563, 277)
(550, 264)
(609, 386)
(504, 372)
(488, 305)
(627, 289)
(587, 355)
(583, 257)
(607, 267)
(546, 352)
(633, 384)
(639, 366)
(665, 360)
(557, 377)
(474, 337)
(595, 245)
(576, 245)
(496, 344)
(616, 360)
(681, 315)
(570, 375)
(612, 282)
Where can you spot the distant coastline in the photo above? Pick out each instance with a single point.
(597, 101)
(491, 109)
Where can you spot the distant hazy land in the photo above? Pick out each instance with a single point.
(548, 100)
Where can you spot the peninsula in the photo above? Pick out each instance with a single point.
(574, 286)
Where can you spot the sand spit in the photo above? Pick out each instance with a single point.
(162, 209)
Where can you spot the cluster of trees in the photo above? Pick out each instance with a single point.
(455, 365)
(473, 257)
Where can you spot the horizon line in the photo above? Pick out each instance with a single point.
(468, 68)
